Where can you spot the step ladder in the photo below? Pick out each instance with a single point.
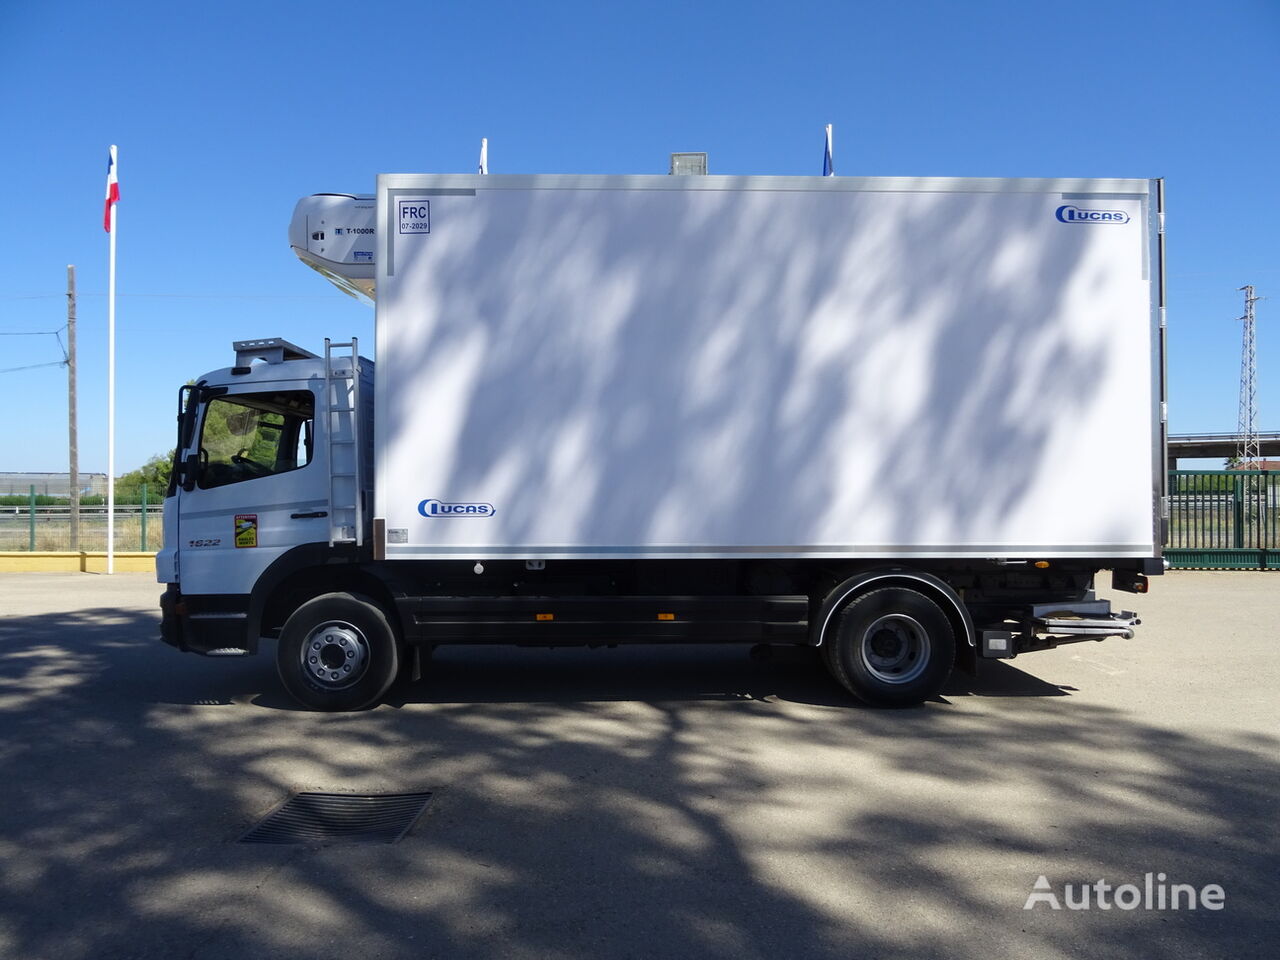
(343, 441)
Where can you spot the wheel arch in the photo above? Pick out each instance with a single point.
(928, 584)
(306, 572)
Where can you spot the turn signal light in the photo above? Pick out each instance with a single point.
(1129, 581)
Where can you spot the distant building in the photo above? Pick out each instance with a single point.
(52, 484)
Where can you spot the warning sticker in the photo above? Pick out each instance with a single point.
(246, 529)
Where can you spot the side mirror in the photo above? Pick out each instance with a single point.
(190, 468)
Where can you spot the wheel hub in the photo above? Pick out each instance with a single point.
(335, 654)
(895, 648)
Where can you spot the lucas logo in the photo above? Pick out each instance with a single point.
(1071, 214)
(439, 509)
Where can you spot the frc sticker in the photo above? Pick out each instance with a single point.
(414, 216)
(246, 529)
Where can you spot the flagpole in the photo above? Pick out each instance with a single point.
(111, 385)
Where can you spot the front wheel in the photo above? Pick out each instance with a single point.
(338, 652)
(891, 647)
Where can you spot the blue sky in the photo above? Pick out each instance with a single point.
(225, 114)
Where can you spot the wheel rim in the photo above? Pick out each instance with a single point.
(335, 655)
(895, 649)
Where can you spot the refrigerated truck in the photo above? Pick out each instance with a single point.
(905, 421)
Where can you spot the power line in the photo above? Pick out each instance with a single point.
(35, 366)
(188, 296)
(56, 334)
(217, 296)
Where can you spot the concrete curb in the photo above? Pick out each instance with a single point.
(83, 562)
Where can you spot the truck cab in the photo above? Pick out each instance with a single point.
(272, 461)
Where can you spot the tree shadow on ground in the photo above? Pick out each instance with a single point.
(682, 802)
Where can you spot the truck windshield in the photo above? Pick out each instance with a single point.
(251, 435)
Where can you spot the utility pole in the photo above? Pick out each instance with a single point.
(73, 447)
(1248, 449)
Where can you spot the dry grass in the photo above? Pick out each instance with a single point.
(54, 534)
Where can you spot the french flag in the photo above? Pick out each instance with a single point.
(113, 190)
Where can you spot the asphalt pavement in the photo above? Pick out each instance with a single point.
(642, 802)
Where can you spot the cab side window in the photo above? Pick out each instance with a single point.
(247, 436)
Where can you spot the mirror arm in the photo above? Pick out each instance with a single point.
(190, 467)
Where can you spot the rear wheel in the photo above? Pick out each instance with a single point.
(338, 652)
(891, 647)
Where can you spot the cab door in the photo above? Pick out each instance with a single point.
(257, 486)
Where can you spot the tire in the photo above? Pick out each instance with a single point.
(338, 651)
(891, 647)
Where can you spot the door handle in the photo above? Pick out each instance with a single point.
(315, 514)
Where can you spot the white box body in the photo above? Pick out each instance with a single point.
(791, 367)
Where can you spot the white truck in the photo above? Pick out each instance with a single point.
(903, 421)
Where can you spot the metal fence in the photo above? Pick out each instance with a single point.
(1224, 519)
(41, 529)
(38, 522)
(1218, 519)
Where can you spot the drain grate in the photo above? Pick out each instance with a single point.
(340, 818)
